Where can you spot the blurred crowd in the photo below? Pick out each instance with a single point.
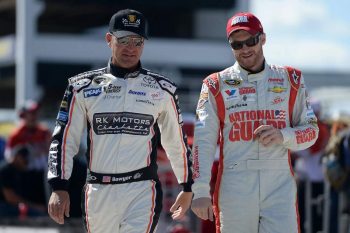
(322, 175)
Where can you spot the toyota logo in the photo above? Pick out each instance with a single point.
(149, 80)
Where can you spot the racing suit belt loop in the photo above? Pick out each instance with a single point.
(260, 164)
(145, 173)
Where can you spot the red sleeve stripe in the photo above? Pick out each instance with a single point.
(152, 208)
(71, 109)
(221, 116)
(91, 146)
(294, 87)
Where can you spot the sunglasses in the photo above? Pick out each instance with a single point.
(252, 41)
(135, 41)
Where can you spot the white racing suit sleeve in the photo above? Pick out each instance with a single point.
(70, 123)
(173, 138)
(303, 132)
(205, 142)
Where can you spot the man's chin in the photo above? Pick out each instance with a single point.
(128, 64)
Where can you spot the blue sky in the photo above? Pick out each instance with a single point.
(308, 34)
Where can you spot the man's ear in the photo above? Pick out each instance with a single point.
(263, 39)
(108, 39)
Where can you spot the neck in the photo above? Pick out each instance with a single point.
(121, 72)
(260, 67)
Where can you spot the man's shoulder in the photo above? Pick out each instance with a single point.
(164, 82)
(84, 79)
(283, 69)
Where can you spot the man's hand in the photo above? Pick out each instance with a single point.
(203, 208)
(181, 205)
(59, 206)
(268, 135)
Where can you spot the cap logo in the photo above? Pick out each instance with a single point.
(239, 19)
(131, 18)
(131, 21)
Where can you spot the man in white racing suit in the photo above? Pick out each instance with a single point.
(260, 112)
(124, 108)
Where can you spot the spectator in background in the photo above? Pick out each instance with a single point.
(308, 167)
(33, 135)
(16, 194)
(337, 169)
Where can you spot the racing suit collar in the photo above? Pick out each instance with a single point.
(123, 72)
(248, 75)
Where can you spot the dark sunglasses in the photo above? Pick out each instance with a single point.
(135, 41)
(252, 41)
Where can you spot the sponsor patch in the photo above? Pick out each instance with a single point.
(249, 98)
(145, 101)
(231, 94)
(233, 82)
(237, 106)
(245, 122)
(92, 92)
(277, 100)
(201, 103)
(165, 84)
(276, 80)
(62, 116)
(195, 171)
(64, 105)
(158, 95)
(53, 157)
(247, 90)
(110, 97)
(201, 115)
(296, 78)
(81, 83)
(140, 93)
(306, 135)
(150, 82)
(211, 82)
(277, 89)
(122, 123)
(111, 88)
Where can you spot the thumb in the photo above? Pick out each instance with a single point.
(67, 209)
(210, 213)
(174, 207)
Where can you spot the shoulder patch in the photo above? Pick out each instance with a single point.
(212, 81)
(165, 83)
(81, 83)
(81, 80)
(294, 76)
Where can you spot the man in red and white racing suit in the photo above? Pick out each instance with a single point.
(123, 107)
(259, 111)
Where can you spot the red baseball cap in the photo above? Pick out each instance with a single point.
(244, 21)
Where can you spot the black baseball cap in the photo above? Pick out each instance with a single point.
(128, 22)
